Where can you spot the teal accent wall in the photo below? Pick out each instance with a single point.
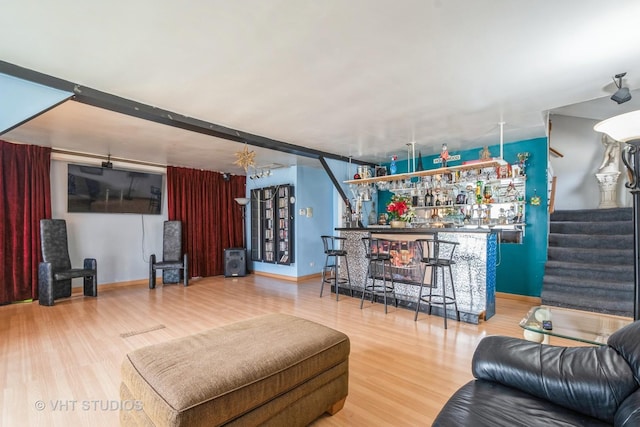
(520, 266)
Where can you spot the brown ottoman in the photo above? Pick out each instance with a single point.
(275, 370)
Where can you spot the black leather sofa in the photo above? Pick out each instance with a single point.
(521, 383)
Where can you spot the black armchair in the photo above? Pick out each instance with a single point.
(523, 383)
(173, 260)
(55, 272)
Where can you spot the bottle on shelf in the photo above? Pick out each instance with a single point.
(479, 192)
(428, 198)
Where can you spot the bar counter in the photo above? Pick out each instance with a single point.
(474, 271)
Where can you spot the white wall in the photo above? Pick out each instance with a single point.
(577, 186)
(121, 243)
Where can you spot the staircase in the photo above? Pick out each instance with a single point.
(590, 261)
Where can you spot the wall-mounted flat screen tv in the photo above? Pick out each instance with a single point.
(94, 189)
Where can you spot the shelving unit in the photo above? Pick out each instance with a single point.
(503, 206)
(272, 225)
(403, 176)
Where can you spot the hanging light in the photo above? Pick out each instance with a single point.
(245, 158)
(622, 95)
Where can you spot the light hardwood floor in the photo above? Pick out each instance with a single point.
(60, 365)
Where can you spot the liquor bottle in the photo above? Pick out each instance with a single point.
(420, 166)
(373, 215)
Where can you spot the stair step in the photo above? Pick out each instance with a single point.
(614, 214)
(585, 241)
(613, 256)
(604, 305)
(586, 286)
(591, 228)
(593, 272)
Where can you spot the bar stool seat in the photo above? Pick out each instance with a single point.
(437, 255)
(334, 251)
(379, 258)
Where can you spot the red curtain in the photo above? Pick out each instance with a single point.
(211, 218)
(25, 198)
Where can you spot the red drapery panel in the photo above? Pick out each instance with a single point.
(211, 218)
(25, 198)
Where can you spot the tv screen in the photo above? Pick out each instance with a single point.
(105, 190)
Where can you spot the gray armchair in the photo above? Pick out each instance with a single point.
(55, 271)
(173, 260)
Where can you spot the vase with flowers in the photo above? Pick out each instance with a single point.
(400, 211)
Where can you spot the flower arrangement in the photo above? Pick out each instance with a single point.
(400, 209)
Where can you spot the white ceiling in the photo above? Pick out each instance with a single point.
(359, 78)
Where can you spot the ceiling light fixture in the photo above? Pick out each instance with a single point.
(245, 158)
(622, 94)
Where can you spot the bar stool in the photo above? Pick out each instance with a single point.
(334, 250)
(379, 257)
(438, 255)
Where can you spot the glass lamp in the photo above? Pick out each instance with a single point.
(626, 128)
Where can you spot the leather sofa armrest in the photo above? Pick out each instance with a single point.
(628, 414)
(590, 380)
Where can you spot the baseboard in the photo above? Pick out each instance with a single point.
(79, 289)
(287, 278)
(526, 298)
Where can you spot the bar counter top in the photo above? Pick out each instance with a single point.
(418, 230)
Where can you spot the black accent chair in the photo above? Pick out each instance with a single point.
(521, 383)
(55, 271)
(173, 260)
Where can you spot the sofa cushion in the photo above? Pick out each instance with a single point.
(485, 403)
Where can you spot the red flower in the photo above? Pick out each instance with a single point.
(399, 208)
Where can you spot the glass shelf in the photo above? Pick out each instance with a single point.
(440, 171)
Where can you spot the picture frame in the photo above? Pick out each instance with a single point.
(381, 171)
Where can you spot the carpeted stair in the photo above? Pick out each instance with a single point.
(590, 261)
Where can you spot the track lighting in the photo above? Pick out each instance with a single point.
(622, 94)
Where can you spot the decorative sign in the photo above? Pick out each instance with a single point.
(452, 158)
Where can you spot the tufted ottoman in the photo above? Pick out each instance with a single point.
(275, 370)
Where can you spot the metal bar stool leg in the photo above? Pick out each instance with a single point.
(346, 263)
(444, 298)
(324, 274)
(415, 318)
(384, 285)
(364, 285)
(453, 292)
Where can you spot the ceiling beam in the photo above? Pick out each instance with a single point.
(96, 98)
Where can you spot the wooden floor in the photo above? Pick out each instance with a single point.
(60, 365)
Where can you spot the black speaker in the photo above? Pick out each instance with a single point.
(235, 263)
